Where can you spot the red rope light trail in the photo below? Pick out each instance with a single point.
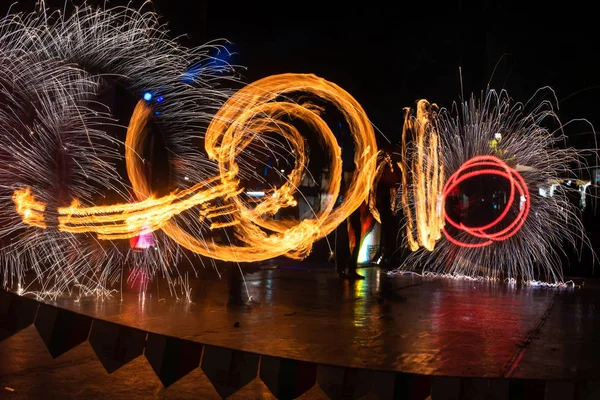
(516, 184)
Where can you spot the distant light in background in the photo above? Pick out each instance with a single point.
(145, 240)
(159, 99)
(369, 241)
(220, 60)
(147, 96)
(191, 74)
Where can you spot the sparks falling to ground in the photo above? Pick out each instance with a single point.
(526, 235)
(60, 141)
(68, 216)
(248, 113)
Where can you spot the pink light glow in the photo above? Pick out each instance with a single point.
(145, 239)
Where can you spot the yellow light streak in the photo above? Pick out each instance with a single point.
(422, 177)
(247, 114)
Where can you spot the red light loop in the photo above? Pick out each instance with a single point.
(516, 183)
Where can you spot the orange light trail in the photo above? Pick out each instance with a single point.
(384, 162)
(30, 210)
(422, 177)
(247, 114)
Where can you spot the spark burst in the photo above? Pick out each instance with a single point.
(57, 161)
(132, 46)
(535, 157)
(248, 113)
(54, 140)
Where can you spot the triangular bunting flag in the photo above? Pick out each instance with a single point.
(344, 383)
(172, 358)
(414, 387)
(61, 330)
(16, 313)
(116, 345)
(498, 389)
(285, 378)
(383, 384)
(521, 389)
(229, 370)
(256, 389)
(560, 390)
(475, 388)
(444, 388)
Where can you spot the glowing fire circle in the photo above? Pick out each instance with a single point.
(485, 235)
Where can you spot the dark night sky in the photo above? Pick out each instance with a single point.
(389, 54)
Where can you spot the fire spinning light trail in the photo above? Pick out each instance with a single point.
(246, 115)
(527, 239)
(65, 211)
(60, 139)
(423, 171)
(516, 181)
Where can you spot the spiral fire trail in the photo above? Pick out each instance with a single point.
(58, 67)
(248, 114)
(59, 163)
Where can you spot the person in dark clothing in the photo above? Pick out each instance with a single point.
(347, 261)
(388, 181)
(388, 223)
